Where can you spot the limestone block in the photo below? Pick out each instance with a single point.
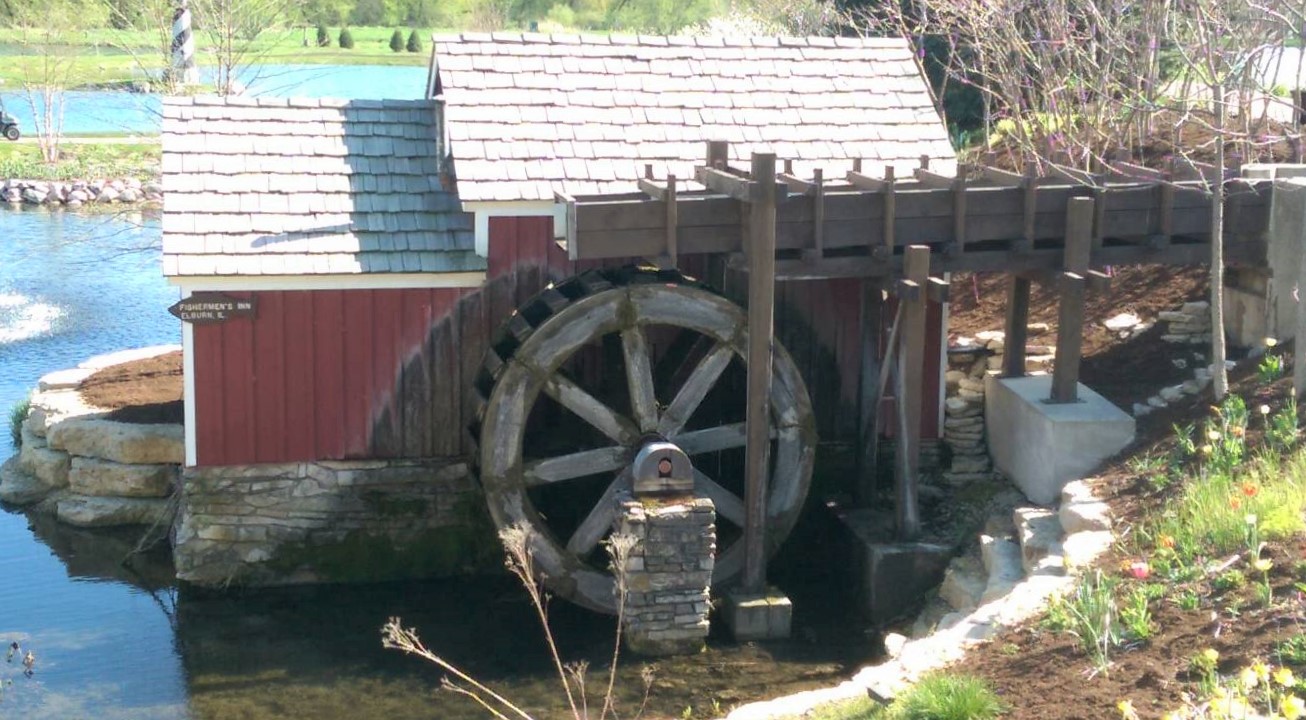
(63, 379)
(953, 377)
(970, 395)
(120, 442)
(963, 583)
(1173, 393)
(1080, 491)
(994, 362)
(1078, 517)
(106, 512)
(987, 336)
(1041, 446)
(1001, 559)
(1036, 329)
(1198, 308)
(893, 644)
(1083, 548)
(1156, 402)
(18, 487)
(972, 385)
(1122, 321)
(48, 466)
(91, 476)
(1039, 531)
(1139, 410)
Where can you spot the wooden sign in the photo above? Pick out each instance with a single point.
(208, 308)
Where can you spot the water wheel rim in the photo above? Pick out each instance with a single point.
(506, 479)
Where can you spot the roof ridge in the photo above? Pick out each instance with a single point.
(645, 40)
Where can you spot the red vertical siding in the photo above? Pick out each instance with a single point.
(336, 374)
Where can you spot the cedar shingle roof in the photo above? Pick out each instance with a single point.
(302, 187)
(531, 114)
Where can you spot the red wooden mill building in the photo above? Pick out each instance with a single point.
(421, 294)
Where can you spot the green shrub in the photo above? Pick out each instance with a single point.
(943, 696)
(323, 37)
(346, 40)
(396, 41)
(17, 414)
(414, 42)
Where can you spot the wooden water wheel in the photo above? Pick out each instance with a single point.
(591, 369)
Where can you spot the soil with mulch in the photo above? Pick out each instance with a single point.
(1041, 674)
(145, 391)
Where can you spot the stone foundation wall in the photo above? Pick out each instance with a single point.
(1190, 325)
(331, 522)
(669, 572)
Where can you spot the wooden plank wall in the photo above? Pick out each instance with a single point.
(336, 374)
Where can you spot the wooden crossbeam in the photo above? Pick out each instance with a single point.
(734, 186)
(1129, 172)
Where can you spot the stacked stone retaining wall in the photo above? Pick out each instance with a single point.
(85, 469)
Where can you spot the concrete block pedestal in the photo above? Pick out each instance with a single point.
(762, 616)
(758, 616)
(1042, 446)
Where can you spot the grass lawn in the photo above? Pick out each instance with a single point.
(109, 56)
(81, 161)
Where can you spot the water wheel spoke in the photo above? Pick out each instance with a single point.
(639, 376)
(575, 465)
(722, 437)
(696, 387)
(728, 505)
(599, 521)
(591, 409)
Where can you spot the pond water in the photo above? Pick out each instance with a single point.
(123, 642)
(138, 113)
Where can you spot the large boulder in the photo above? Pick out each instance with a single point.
(120, 442)
(92, 476)
(107, 512)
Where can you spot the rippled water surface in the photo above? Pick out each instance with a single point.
(121, 642)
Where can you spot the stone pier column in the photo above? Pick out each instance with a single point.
(669, 572)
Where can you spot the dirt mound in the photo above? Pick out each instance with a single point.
(145, 391)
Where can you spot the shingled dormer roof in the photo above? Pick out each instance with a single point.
(528, 115)
(307, 187)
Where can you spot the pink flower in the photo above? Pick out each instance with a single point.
(1140, 570)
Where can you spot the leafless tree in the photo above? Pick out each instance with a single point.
(240, 34)
(46, 65)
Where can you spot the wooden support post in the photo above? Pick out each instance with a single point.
(959, 210)
(1030, 208)
(673, 222)
(1016, 330)
(1070, 318)
(868, 459)
(718, 154)
(817, 251)
(911, 374)
(890, 209)
(760, 251)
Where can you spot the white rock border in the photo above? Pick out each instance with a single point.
(1053, 573)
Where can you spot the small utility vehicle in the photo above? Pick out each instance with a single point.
(9, 125)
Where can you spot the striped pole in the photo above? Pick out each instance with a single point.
(183, 47)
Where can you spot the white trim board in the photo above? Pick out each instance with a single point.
(485, 210)
(188, 388)
(371, 281)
